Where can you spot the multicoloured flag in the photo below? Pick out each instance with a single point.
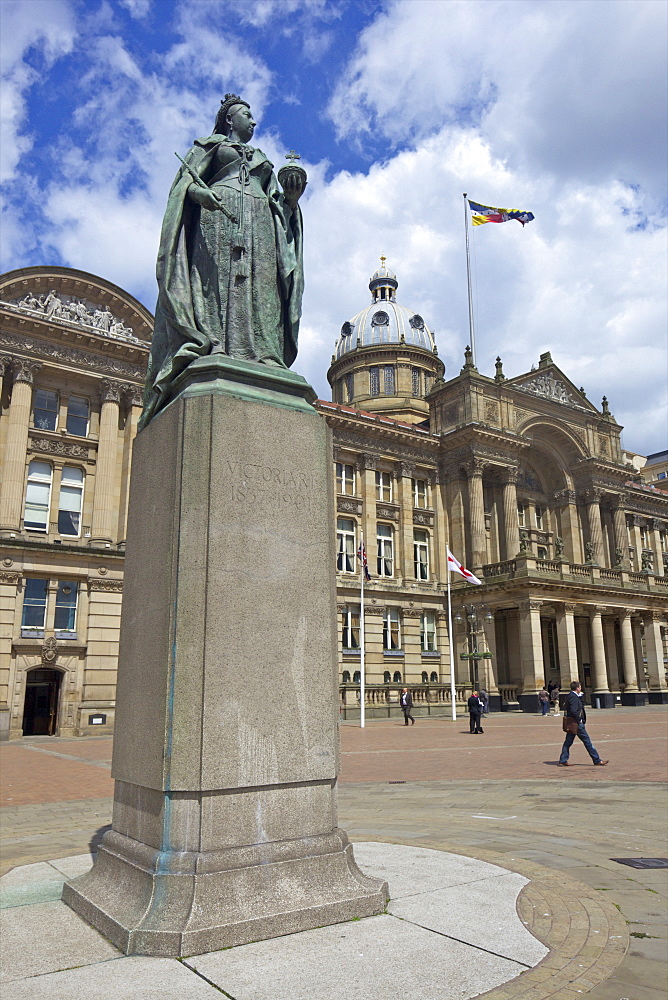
(485, 213)
(456, 567)
(361, 555)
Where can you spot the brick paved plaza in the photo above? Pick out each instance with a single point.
(498, 796)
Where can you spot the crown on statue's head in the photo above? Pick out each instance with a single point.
(230, 101)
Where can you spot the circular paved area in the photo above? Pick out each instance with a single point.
(499, 797)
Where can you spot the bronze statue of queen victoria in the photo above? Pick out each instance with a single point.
(230, 264)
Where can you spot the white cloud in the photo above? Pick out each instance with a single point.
(136, 8)
(46, 29)
(556, 86)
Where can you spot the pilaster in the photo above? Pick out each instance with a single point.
(13, 471)
(104, 504)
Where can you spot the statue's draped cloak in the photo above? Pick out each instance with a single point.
(223, 286)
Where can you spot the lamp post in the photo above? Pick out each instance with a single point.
(474, 616)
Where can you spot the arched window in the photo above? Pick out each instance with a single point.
(434, 677)
(425, 677)
(38, 497)
(397, 677)
(387, 677)
(357, 677)
(345, 679)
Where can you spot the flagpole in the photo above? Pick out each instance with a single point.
(362, 574)
(453, 689)
(468, 278)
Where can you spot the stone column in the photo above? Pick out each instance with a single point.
(474, 470)
(658, 690)
(592, 500)
(365, 468)
(488, 668)
(16, 447)
(621, 534)
(104, 505)
(404, 542)
(631, 694)
(568, 652)
(570, 525)
(440, 529)
(531, 655)
(655, 526)
(510, 525)
(600, 688)
(133, 401)
(456, 518)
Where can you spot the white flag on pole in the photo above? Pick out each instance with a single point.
(455, 566)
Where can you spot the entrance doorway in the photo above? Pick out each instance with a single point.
(40, 714)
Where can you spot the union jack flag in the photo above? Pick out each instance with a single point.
(361, 555)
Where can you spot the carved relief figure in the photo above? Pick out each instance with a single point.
(230, 265)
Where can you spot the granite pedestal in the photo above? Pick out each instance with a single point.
(226, 751)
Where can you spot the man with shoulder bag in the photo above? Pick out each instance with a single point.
(574, 725)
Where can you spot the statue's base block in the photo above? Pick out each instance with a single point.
(150, 903)
(226, 753)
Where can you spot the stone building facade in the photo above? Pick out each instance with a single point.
(525, 480)
(73, 356)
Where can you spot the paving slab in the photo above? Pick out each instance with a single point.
(375, 958)
(47, 937)
(413, 871)
(132, 978)
(481, 913)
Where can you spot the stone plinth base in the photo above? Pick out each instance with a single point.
(149, 902)
(529, 703)
(225, 757)
(658, 697)
(604, 699)
(636, 698)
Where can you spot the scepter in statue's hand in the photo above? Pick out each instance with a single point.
(292, 179)
(212, 202)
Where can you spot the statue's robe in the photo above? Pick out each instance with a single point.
(230, 287)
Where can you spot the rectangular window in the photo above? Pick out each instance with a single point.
(34, 603)
(643, 537)
(385, 540)
(542, 552)
(77, 416)
(345, 545)
(420, 493)
(71, 501)
(66, 606)
(539, 517)
(520, 514)
(349, 387)
(428, 632)
(384, 487)
(345, 479)
(663, 537)
(421, 554)
(374, 381)
(350, 636)
(38, 497)
(45, 413)
(391, 629)
(388, 380)
(415, 381)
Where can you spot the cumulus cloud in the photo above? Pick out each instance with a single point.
(32, 37)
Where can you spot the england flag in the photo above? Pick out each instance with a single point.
(456, 567)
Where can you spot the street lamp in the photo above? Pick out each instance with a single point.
(474, 615)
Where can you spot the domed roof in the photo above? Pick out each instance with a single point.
(384, 321)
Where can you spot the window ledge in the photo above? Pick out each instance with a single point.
(432, 654)
(32, 633)
(351, 652)
(393, 652)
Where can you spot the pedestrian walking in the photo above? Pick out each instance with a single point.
(544, 701)
(484, 698)
(475, 711)
(575, 717)
(406, 702)
(554, 698)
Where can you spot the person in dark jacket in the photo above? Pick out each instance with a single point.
(406, 702)
(574, 710)
(475, 711)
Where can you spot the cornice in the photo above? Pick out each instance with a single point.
(60, 354)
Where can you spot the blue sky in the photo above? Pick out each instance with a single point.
(552, 106)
